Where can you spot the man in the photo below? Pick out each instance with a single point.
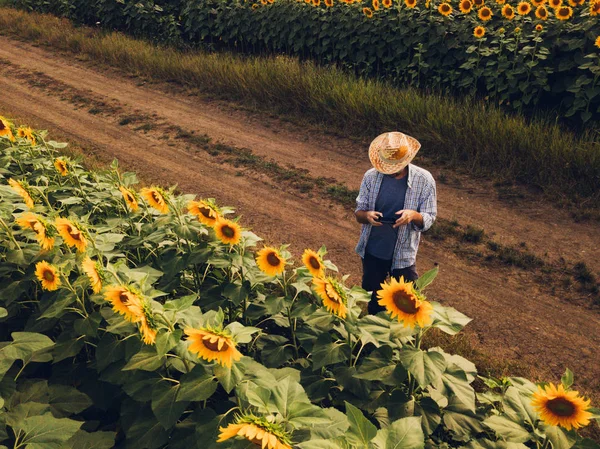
(397, 201)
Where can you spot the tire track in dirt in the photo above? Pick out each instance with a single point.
(515, 321)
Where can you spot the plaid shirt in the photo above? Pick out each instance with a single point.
(420, 196)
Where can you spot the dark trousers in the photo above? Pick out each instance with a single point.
(376, 271)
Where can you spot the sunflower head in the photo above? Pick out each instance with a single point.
(213, 344)
(485, 14)
(129, 198)
(386, 3)
(313, 262)
(375, 4)
(465, 6)
(333, 295)
(125, 301)
(595, 8)
(555, 3)
(501, 2)
(6, 129)
(25, 132)
(445, 9)
(524, 8)
(329, 3)
(316, 2)
(95, 273)
(479, 32)
(597, 43)
(72, 233)
(559, 407)
(257, 430)
(401, 300)
(517, 30)
(270, 261)
(22, 188)
(147, 324)
(227, 231)
(479, 3)
(61, 166)
(410, 3)
(539, 27)
(508, 12)
(575, 3)
(206, 211)
(156, 197)
(368, 12)
(537, 3)
(564, 13)
(541, 12)
(44, 234)
(48, 275)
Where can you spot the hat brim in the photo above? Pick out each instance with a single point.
(388, 168)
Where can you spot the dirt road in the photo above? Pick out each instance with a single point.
(104, 112)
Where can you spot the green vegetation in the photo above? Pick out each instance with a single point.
(463, 133)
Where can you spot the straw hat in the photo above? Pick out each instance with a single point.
(391, 152)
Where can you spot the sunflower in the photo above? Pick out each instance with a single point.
(558, 407)
(524, 8)
(147, 324)
(537, 2)
(313, 262)
(206, 211)
(465, 6)
(368, 12)
(333, 295)
(316, 2)
(265, 3)
(517, 30)
(259, 431)
(40, 227)
(597, 43)
(19, 187)
(401, 300)
(541, 12)
(5, 129)
(269, 261)
(539, 27)
(479, 32)
(156, 198)
(227, 231)
(329, 3)
(575, 3)
(129, 198)
(211, 344)
(125, 302)
(595, 8)
(410, 3)
(501, 2)
(501, 30)
(478, 3)
(375, 4)
(564, 13)
(71, 233)
(485, 14)
(255, 6)
(445, 9)
(25, 132)
(555, 3)
(93, 271)
(48, 275)
(508, 12)
(61, 167)
(387, 3)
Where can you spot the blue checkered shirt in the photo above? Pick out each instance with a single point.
(420, 196)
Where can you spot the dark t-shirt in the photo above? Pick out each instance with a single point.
(390, 200)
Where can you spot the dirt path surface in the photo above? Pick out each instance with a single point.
(515, 317)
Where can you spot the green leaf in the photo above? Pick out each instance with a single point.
(45, 431)
(377, 365)
(404, 433)
(448, 319)
(146, 431)
(320, 444)
(92, 440)
(361, 430)
(23, 347)
(67, 399)
(230, 377)
(426, 279)
(197, 385)
(180, 304)
(327, 352)
(3, 312)
(508, 430)
(424, 366)
(429, 410)
(166, 340)
(560, 439)
(288, 393)
(147, 360)
(567, 379)
(165, 405)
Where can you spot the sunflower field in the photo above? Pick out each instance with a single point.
(527, 55)
(141, 318)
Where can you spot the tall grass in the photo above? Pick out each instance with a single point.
(465, 133)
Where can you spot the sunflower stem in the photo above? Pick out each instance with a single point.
(12, 237)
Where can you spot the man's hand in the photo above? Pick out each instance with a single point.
(408, 216)
(369, 217)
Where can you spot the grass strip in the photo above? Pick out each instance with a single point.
(464, 133)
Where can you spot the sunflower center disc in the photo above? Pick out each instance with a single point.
(48, 275)
(214, 346)
(2, 127)
(155, 197)
(313, 262)
(561, 407)
(124, 298)
(405, 302)
(205, 211)
(228, 232)
(273, 260)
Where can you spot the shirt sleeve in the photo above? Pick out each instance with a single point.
(427, 208)
(362, 200)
